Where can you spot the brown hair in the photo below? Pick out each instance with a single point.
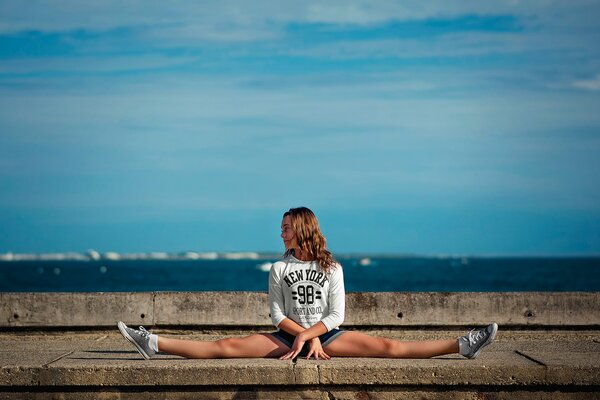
(309, 237)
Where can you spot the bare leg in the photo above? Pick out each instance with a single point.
(356, 344)
(253, 346)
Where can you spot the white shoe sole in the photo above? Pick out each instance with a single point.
(122, 326)
(488, 341)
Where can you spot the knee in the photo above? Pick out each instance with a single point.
(391, 348)
(227, 347)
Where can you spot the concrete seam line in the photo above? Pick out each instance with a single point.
(319, 380)
(294, 371)
(530, 358)
(153, 308)
(58, 358)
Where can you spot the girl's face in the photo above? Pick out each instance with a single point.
(287, 233)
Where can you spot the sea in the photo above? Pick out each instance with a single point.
(94, 272)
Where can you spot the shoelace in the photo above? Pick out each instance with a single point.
(144, 332)
(473, 338)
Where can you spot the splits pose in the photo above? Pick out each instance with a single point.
(306, 299)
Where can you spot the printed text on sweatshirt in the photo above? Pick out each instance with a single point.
(301, 291)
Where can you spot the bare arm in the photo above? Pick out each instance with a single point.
(336, 301)
(293, 328)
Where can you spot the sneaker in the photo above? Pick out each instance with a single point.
(140, 339)
(470, 345)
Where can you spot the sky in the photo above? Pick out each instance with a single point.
(408, 127)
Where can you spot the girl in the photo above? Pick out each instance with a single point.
(306, 299)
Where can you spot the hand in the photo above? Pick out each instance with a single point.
(317, 350)
(296, 348)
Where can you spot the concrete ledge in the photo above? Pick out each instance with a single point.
(96, 364)
(250, 309)
(318, 393)
(560, 358)
(74, 309)
(211, 309)
(508, 370)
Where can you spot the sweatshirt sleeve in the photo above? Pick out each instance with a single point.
(336, 300)
(276, 299)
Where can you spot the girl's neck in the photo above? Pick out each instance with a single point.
(301, 256)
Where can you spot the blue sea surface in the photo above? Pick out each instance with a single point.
(377, 274)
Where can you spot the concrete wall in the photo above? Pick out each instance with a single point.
(250, 309)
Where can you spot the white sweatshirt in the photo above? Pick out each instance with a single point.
(301, 291)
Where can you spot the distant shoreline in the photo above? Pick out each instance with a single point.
(92, 255)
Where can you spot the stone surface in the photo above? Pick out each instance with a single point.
(316, 393)
(75, 309)
(105, 358)
(394, 393)
(548, 346)
(250, 309)
(464, 308)
(211, 308)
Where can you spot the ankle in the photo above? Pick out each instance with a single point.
(463, 347)
(153, 342)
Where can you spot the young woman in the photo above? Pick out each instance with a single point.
(306, 298)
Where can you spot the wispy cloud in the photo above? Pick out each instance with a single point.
(358, 103)
(592, 84)
(95, 64)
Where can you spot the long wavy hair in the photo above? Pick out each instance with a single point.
(310, 239)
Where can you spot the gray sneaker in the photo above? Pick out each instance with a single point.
(140, 339)
(470, 345)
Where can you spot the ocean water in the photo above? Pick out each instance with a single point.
(365, 273)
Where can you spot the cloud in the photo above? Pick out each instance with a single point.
(239, 19)
(528, 44)
(92, 64)
(592, 84)
(236, 94)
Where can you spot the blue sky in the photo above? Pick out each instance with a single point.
(408, 127)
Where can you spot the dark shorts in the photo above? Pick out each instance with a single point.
(288, 339)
